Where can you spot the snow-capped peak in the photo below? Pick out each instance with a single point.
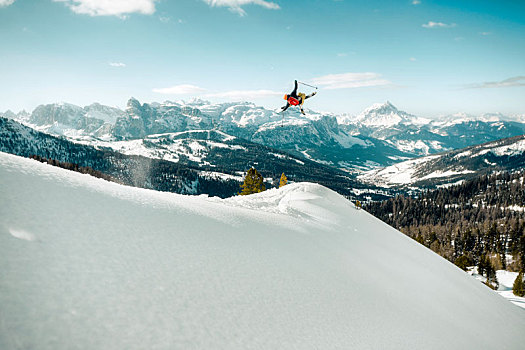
(387, 115)
(382, 108)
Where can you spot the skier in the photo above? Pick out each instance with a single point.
(296, 99)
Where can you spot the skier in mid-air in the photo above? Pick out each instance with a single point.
(296, 99)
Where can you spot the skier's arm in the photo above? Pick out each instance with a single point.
(285, 107)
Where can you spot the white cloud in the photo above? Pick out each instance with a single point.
(413, 59)
(245, 94)
(236, 5)
(431, 24)
(416, 2)
(5, 3)
(485, 33)
(510, 82)
(183, 89)
(350, 80)
(117, 64)
(119, 8)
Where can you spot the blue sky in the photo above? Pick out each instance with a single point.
(426, 57)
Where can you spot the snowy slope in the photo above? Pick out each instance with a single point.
(445, 168)
(88, 264)
(194, 145)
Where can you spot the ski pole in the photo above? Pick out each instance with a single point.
(300, 82)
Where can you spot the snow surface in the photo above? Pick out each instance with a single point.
(511, 150)
(400, 173)
(167, 146)
(506, 281)
(410, 146)
(438, 174)
(89, 264)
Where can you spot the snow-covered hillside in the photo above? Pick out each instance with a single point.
(450, 167)
(194, 145)
(95, 265)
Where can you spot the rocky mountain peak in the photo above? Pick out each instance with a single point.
(133, 103)
(385, 107)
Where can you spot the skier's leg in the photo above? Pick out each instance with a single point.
(294, 92)
(312, 94)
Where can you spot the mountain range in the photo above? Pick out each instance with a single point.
(354, 155)
(380, 136)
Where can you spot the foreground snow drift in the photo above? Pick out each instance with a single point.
(94, 265)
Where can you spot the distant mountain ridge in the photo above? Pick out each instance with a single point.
(380, 136)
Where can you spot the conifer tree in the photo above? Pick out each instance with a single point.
(492, 280)
(462, 262)
(420, 239)
(482, 265)
(253, 183)
(283, 181)
(518, 288)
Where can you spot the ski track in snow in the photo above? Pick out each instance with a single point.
(116, 267)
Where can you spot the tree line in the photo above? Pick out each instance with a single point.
(75, 167)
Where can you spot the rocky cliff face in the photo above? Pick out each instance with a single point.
(145, 119)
